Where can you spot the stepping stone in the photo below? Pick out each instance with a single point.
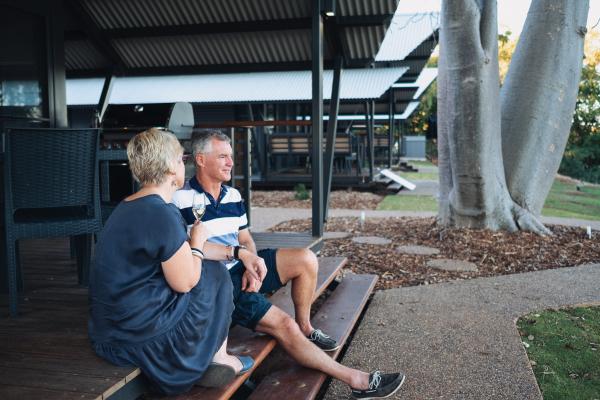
(371, 240)
(417, 250)
(335, 235)
(452, 265)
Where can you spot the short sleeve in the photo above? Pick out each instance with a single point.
(243, 216)
(168, 231)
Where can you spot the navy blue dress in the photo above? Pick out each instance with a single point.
(135, 316)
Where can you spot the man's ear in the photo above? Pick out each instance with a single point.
(199, 160)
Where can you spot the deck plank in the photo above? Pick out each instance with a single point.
(337, 317)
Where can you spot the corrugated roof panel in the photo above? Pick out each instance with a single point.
(426, 78)
(114, 14)
(363, 41)
(240, 88)
(81, 54)
(251, 47)
(362, 7)
(405, 33)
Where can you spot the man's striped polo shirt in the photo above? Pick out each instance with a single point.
(224, 217)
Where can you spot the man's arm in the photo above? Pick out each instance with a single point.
(245, 239)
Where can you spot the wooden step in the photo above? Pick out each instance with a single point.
(243, 341)
(337, 317)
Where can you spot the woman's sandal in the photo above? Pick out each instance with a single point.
(247, 364)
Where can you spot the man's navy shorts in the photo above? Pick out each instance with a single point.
(250, 307)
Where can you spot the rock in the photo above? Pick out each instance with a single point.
(335, 235)
(452, 265)
(417, 250)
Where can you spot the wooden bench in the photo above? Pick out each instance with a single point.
(336, 316)
(287, 145)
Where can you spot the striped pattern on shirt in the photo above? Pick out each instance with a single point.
(224, 217)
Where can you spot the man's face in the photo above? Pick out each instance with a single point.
(217, 163)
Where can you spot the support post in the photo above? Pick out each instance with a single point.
(104, 98)
(232, 137)
(391, 128)
(370, 146)
(334, 106)
(247, 171)
(317, 119)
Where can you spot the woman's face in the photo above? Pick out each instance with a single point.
(179, 170)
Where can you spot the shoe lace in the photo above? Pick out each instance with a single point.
(375, 380)
(318, 334)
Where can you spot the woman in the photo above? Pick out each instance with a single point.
(154, 302)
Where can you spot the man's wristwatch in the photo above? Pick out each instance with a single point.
(236, 251)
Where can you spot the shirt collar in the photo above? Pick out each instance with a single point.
(194, 184)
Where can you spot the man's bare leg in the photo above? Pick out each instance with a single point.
(301, 267)
(288, 334)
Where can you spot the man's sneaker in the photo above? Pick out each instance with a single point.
(323, 341)
(380, 386)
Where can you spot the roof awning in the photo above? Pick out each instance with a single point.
(405, 33)
(355, 84)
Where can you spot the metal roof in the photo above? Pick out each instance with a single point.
(426, 78)
(405, 33)
(159, 37)
(355, 84)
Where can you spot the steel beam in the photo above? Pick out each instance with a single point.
(334, 106)
(391, 129)
(104, 97)
(317, 119)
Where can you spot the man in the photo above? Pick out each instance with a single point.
(255, 273)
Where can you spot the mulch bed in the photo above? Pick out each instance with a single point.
(338, 199)
(494, 253)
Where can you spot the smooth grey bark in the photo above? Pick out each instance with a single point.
(538, 97)
(473, 187)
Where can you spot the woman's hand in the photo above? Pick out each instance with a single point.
(198, 235)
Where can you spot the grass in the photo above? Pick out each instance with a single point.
(564, 349)
(408, 203)
(419, 176)
(566, 201)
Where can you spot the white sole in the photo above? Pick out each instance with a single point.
(391, 394)
(334, 349)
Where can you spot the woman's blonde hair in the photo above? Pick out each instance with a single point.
(151, 155)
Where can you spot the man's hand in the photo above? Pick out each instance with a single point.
(255, 265)
(249, 283)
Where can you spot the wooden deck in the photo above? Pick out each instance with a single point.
(45, 352)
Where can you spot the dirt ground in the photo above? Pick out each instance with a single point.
(339, 199)
(494, 253)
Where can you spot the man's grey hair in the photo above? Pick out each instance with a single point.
(201, 141)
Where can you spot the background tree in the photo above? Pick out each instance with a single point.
(499, 151)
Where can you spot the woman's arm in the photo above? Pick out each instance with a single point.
(182, 271)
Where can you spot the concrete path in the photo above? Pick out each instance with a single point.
(458, 340)
(264, 218)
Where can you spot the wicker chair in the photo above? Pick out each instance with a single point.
(50, 189)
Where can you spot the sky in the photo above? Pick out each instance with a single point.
(511, 13)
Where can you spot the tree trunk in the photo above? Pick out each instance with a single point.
(472, 193)
(538, 97)
(473, 188)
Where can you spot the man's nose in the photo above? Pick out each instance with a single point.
(229, 161)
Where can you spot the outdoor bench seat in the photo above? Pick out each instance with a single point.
(242, 341)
